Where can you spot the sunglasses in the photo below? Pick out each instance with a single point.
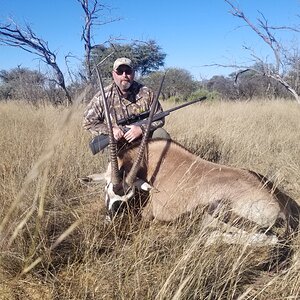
(127, 71)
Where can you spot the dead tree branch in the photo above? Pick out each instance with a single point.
(92, 11)
(264, 31)
(12, 35)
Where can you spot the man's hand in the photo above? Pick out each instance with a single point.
(118, 133)
(132, 134)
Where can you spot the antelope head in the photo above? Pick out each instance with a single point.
(119, 195)
(121, 188)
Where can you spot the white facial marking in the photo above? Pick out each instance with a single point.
(111, 196)
(146, 186)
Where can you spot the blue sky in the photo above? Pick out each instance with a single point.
(192, 33)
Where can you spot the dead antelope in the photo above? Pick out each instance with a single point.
(178, 182)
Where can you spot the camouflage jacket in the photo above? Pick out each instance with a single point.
(138, 100)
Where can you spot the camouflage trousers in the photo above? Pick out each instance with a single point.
(160, 133)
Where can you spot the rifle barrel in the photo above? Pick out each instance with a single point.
(186, 104)
(165, 113)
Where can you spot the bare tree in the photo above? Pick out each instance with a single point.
(293, 61)
(92, 10)
(265, 32)
(12, 35)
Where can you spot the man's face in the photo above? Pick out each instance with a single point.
(123, 77)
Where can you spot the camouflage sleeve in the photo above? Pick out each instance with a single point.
(93, 116)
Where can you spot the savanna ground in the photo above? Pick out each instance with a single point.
(55, 243)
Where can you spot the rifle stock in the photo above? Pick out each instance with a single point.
(101, 141)
(98, 143)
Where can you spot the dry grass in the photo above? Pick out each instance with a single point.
(56, 245)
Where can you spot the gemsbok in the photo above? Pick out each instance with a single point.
(177, 182)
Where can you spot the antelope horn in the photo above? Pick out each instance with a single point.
(115, 177)
(135, 167)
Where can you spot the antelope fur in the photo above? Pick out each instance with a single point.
(180, 182)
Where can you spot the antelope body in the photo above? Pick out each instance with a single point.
(179, 182)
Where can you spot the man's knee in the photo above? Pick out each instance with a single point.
(160, 133)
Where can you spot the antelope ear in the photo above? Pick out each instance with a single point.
(142, 185)
(93, 178)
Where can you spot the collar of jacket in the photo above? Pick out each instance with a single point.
(131, 93)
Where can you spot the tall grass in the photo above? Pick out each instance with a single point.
(55, 243)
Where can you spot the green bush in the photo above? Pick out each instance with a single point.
(203, 92)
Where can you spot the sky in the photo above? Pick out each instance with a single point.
(192, 33)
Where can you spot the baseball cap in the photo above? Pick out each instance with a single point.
(122, 61)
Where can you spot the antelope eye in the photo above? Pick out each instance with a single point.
(118, 189)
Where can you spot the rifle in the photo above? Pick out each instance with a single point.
(101, 141)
